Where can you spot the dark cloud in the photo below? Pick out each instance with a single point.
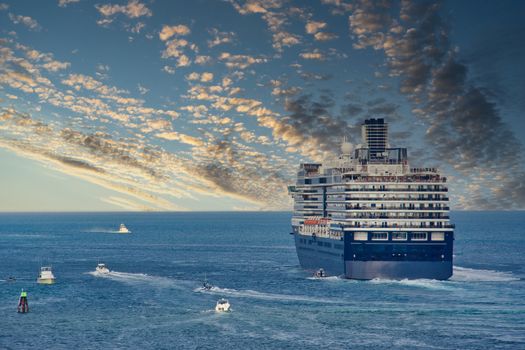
(351, 109)
(76, 163)
(464, 126)
(314, 119)
(101, 145)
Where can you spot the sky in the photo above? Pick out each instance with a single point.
(212, 105)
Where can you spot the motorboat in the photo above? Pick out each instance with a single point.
(123, 229)
(102, 268)
(320, 273)
(46, 275)
(222, 306)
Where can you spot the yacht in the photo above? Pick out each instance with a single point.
(123, 229)
(102, 268)
(222, 306)
(46, 276)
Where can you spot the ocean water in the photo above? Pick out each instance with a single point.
(153, 300)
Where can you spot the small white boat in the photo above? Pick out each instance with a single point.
(320, 273)
(46, 275)
(123, 229)
(222, 306)
(102, 268)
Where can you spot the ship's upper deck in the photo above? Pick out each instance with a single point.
(372, 188)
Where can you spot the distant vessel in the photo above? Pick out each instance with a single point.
(222, 306)
(367, 214)
(102, 268)
(123, 229)
(206, 285)
(320, 273)
(46, 275)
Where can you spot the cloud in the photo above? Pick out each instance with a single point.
(29, 22)
(220, 38)
(169, 31)
(313, 27)
(276, 19)
(239, 61)
(339, 7)
(315, 55)
(464, 126)
(55, 66)
(323, 36)
(115, 141)
(65, 3)
(142, 89)
(175, 136)
(205, 77)
(168, 69)
(125, 203)
(134, 9)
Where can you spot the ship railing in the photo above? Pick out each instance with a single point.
(349, 207)
(384, 190)
(397, 180)
(389, 199)
(404, 217)
(437, 225)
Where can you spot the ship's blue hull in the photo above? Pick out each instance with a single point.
(369, 260)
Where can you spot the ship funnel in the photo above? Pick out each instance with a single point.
(375, 135)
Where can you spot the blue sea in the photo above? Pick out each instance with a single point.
(153, 298)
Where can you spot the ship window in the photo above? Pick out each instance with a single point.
(419, 236)
(379, 236)
(399, 236)
(360, 236)
(438, 236)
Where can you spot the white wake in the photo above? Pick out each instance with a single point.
(465, 274)
(248, 293)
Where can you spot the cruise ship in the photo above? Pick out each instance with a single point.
(366, 214)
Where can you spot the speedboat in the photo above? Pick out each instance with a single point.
(222, 306)
(123, 229)
(102, 268)
(320, 273)
(46, 276)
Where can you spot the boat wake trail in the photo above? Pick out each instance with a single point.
(265, 296)
(422, 283)
(329, 278)
(465, 274)
(101, 230)
(460, 274)
(133, 278)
